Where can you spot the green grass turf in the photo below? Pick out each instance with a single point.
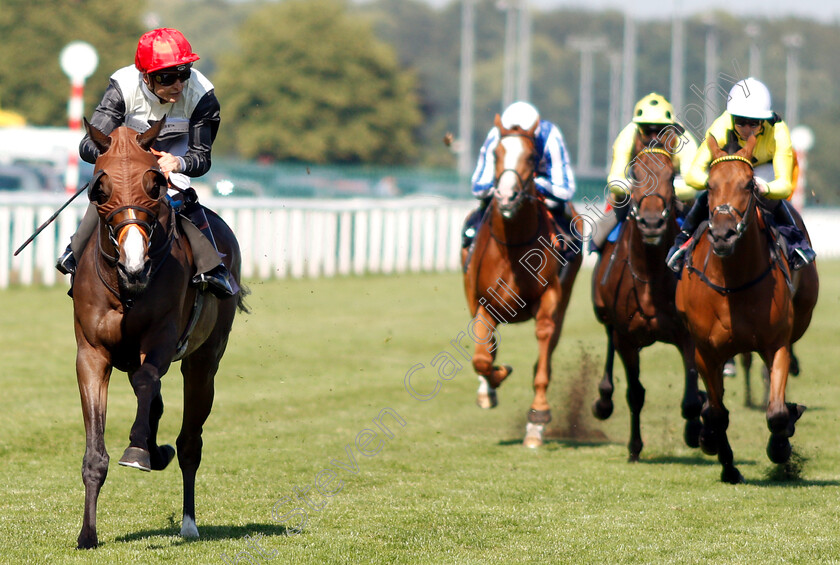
(318, 360)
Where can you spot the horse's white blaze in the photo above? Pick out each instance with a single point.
(508, 181)
(188, 528)
(133, 249)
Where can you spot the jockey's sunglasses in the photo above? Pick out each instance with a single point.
(168, 79)
(651, 130)
(746, 122)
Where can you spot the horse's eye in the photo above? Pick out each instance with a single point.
(100, 191)
(155, 184)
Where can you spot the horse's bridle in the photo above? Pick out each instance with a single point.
(521, 193)
(520, 182)
(125, 216)
(746, 216)
(633, 213)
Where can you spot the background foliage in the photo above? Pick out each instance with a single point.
(311, 84)
(408, 64)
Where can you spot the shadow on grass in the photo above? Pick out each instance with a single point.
(209, 533)
(563, 442)
(792, 483)
(686, 460)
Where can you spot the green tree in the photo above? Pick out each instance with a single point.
(34, 32)
(311, 83)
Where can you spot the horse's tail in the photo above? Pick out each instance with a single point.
(241, 305)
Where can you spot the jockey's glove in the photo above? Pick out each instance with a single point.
(762, 186)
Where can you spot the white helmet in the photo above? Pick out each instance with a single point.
(520, 114)
(749, 98)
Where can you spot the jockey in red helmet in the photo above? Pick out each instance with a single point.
(162, 83)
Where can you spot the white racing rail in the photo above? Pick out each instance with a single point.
(301, 237)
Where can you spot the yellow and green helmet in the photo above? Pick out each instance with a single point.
(653, 109)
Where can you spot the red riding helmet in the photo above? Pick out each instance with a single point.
(163, 48)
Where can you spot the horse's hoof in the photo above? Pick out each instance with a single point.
(487, 401)
(602, 409)
(533, 435)
(487, 397)
(692, 432)
(137, 458)
(778, 449)
(87, 542)
(635, 448)
(165, 454)
(731, 475)
(188, 528)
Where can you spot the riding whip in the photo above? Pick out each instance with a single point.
(50, 220)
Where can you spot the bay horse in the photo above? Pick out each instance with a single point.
(135, 310)
(633, 292)
(737, 294)
(515, 272)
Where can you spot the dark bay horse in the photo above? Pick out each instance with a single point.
(515, 272)
(736, 295)
(135, 310)
(633, 292)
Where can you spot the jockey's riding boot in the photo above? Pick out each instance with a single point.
(800, 253)
(216, 279)
(66, 264)
(473, 221)
(698, 212)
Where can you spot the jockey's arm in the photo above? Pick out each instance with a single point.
(782, 186)
(204, 124)
(622, 150)
(108, 116)
(558, 180)
(684, 157)
(484, 175)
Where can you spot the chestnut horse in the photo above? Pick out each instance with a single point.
(515, 272)
(135, 310)
(633, 293)
(736, 295)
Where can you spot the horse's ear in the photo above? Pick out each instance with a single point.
(498, 122)
(639, 144)
(533, 131)
(100, 140)
(748, 149)
(148, 137)
(714, 148)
